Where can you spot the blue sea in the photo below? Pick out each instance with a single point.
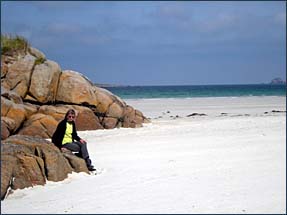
(151, 92)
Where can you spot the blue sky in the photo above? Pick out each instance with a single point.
(157, 42)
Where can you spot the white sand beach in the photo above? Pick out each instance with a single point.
(232, 160)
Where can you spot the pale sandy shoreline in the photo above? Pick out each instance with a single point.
(212, 106)
(234, 163)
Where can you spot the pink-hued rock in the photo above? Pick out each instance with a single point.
(33, 85)
(44, 82)
(13, 111)
(133, 118)
(27, 161)
(75, 88)
(35, 96)
(6, 104)
(7, 127)
(5, 133)
(110, 122)
(57, 112)
(30, 109)
(10, 95)
(87, 120)
(109, 103)
(19, 75)
(39, 125)
(116, 110)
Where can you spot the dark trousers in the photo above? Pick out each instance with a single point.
(81, 148)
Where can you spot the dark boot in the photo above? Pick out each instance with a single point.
(91, 168)
(89, 164)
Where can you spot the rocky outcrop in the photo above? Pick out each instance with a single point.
(36, 93)
(28, 161)
(35, 96)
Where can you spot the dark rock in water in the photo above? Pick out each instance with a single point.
(196, 114)
(240, 115)
(175, 117)
(236, 115)
(278, 111)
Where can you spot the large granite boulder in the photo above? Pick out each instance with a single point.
(5, 131)
(132, 118)
(27, 161)
(8, 164)
(86, 118)
(45, 121)
(109, 122)
(39, 125)
(78, 164)
(13, 111)
(104, 98)
(37, 53)
(74, 88)
(56, 111)
(44, 82)
(56, 167)
(18, 75)
(8, 126)
(10, 95)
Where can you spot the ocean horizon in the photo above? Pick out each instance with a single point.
(191, 91)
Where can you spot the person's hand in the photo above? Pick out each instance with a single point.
(82, 141)
(65, 150)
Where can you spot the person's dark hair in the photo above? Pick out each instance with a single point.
(70, 111)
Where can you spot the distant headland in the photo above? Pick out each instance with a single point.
(277, 81)
(110, 85)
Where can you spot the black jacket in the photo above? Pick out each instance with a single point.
(59, 134)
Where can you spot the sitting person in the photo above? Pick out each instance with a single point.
(66, 137)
